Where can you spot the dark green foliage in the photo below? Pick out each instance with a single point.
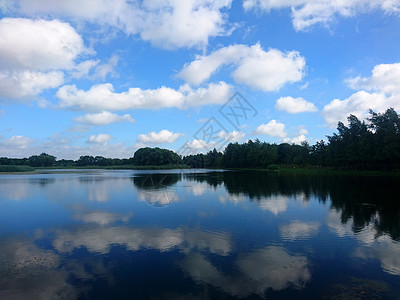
(42, 160)
(375, 145)
(194, 161)
(155, 157)
(100, 161)
(273, 167)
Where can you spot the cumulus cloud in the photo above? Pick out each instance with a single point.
(18, 141)
(25, 84)
(306, 13)
(195, 146)
(101, 138)
(272, 128)
(193, 21)
(163, 136)
(38, 44)
(295, 105)
(385, 78)
(378, 92)
(104, 118)
(298, 138)
(102, 97)
(265, 70)
(218, 141)
(33, 54)
(232, 137)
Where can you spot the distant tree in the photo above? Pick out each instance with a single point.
(386, 138)
(42, 160)
(194, 160)
(156, 157)
(85, 160)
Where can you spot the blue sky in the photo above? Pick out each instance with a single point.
(106, 77)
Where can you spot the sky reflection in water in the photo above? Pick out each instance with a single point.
(133, 234)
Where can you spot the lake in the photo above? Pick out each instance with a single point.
(198, 234)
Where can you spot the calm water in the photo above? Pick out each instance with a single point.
(96, 234)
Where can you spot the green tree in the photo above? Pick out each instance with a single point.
(155, 157)
(42, 160)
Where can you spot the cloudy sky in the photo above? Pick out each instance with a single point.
(105, 77)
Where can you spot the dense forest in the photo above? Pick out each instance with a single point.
(373, 144)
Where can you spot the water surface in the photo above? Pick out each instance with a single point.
(198, 234)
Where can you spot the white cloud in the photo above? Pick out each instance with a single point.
(195, 146)
(103, 70)
(25, 84)
(218, 141)
(18, 141)
(378, 92)
(104, 118)
(307, 13)
(38, 45)
(33, 55)
(298, 138)
(102, 97)
(83, 68)
(294, 105)
(163, 136)
(272, 128)
(385, 78)
(101, 138)
(192, 22)
(265, 70)
(232, 137)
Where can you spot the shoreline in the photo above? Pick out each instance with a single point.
(284, 170)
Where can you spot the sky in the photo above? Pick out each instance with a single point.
(107, 77)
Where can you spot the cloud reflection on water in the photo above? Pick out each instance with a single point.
(268, 268)
(100, 239)
(373, 245)
(298, 230)
(28, 272)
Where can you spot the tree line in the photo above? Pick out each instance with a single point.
(373, 144)
(368, 145)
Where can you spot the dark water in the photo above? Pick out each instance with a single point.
(198, 235)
